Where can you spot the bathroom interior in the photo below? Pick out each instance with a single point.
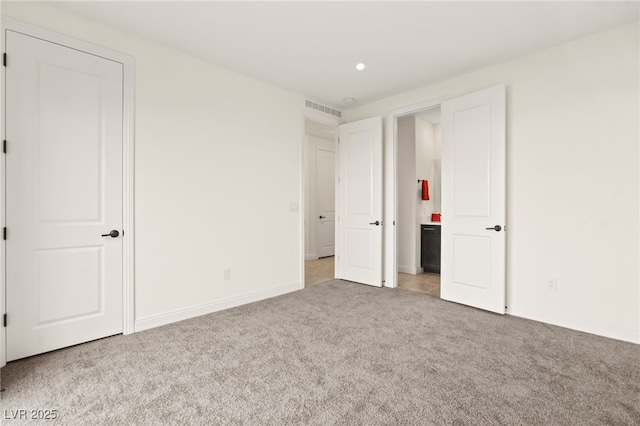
(419, 200)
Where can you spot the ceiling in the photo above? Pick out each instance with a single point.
(312, 47)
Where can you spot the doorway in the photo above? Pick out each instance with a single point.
(473, 175)
(358, 154)
(419, 201)
(319, 164)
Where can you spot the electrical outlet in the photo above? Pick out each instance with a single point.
(424, 211)
(552, 284)
(226, 274)
(293, 207)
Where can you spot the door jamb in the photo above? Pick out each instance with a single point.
(390, 259)
(128, 63)
(309, 114)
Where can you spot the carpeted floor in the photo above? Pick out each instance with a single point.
(336, 353)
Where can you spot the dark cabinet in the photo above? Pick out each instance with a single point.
(430, 253)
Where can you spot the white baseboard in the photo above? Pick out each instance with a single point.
(413, 270)
(207, 308)
(632, 336)
(311, 257)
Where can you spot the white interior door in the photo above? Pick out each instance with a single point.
(473, 203)
(326, 192)
(64, 129)
(359, 227)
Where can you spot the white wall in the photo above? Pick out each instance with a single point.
(424, 148)
(309, 201)
(217, 161)
(406, 224)
(573, 180)
(425, 167)
(437, 155)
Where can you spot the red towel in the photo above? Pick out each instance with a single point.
(425, 190)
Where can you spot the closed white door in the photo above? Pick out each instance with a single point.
(64, 130)
(359, 256)
(326, 192)
(473, 202)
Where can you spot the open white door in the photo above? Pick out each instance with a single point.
(359, 227)
(473, 203)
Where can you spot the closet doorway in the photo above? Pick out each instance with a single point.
(319, 165)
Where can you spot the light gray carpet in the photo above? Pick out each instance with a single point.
(337, 353)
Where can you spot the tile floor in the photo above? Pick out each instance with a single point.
(426, 283)
(321, 270)
(318, 271)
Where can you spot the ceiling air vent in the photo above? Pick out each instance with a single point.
(322, 108)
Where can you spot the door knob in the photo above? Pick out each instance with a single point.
(496, 228)
(376, 223)
(112, 234)
(322, 217)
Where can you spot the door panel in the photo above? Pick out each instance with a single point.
(473, 187)
(68, 185)
(360, 202)
(359, 248)
(473, 252)
(326, 202)
(472, 162)
(64, 190)
(358, 174)
(77, 272)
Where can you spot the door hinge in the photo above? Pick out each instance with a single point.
(4, 320)
(4, 146)
(4, 233)
(4, 59)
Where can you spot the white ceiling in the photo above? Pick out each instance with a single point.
(312, 47)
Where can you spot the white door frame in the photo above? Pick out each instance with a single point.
(390, 158)
(309, 114)
(127, 61)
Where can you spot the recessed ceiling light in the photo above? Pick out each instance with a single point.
(360, 66)
(348, 100)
